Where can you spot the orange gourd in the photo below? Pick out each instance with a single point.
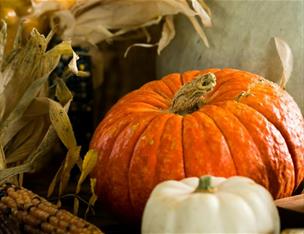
(228, 122)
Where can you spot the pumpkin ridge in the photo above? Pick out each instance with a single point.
(166, 98)
(224, 82)
(243, 171)
(172, 147)
(272, 135)
(107, 156)
(169, 87)
(134, 149)
(159, 85)
(269, 173)
(291, 151)
(110, 182)
(223, 95)
(249, 204)
(218, 157)
(224, 137)
(131, 155)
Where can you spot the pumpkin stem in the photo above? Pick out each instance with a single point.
(189, 97)
(204, 185)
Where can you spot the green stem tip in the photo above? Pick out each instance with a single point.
(204, 185)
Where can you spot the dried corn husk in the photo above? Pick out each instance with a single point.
(87, 167)
(30, 118)
(286, 60)
(93, 21)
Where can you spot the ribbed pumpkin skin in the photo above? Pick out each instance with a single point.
(249, 127)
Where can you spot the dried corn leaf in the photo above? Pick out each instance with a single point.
(25, 129)
(205, 6)
(54, 182)
(69, 162)
(88, 165)
(73, 63)
(62, 124)
(168, 33)
(27, 140)
(94, 197)
(13, 171)
(38, 107)
(286, 59)
(42, 7)
(5, 127)
(76, 205)
(27, 64)
(63, 93)
(139, 45)
(94, 21)
(2, 158)
(3, 36)
(205, 18)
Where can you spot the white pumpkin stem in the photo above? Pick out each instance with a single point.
(204, 185)
(189, 97)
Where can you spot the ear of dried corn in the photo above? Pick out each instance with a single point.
(33, 214)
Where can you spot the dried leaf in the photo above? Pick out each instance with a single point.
(3, 36)
(73, 63)
(6, 77)
(168, 33)
(13, 171)
(54, 182)
(94, 197)
(205, 6)
(74, 69)
(63, 93)
(76, 205)
(64, 48)
(17, 113)
(26, 141)
(69, 162)
(93, 21)
(2, 158)
(18, 38)
(205, 18)
(286, 58)
(147, 35)
(88, 165)
(45, 6)
(38, 107)
(139, 45)
(62, 124)
(25, 129)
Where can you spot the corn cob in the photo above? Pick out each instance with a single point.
(35, 215)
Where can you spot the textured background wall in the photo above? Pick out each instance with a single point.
(242, 37)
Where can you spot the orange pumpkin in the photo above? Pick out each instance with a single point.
(228, 122)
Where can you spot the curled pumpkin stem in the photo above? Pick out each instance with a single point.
(189, 98)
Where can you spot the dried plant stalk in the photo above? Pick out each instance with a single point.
(30, 119)
(93, 21)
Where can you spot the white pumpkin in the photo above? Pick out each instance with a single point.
(210, 205)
